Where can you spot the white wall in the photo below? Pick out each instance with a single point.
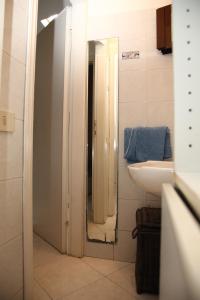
(109, 7)
(145, 99)
(11, 150)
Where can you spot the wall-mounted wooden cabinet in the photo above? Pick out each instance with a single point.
(164, 36)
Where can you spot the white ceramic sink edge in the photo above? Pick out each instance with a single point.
(150, 175)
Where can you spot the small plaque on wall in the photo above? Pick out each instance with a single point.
(130, 55)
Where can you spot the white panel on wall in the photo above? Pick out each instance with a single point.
(187, 92)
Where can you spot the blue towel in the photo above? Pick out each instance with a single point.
(146, 143)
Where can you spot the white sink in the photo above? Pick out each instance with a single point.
(150, 175)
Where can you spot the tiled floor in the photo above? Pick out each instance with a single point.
(61, 277)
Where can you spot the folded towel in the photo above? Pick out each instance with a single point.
(146, 143)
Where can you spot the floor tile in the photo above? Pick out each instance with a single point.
(125, 278)
(61, 277)
(39, 293)
(103, 266)
(43, 253)
(65, 276)
(102, 289)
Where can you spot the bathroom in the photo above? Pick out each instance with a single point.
(91, 263)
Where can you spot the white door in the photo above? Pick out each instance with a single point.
(50, 131)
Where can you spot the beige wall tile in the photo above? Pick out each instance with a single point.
(11, 275)
(15, 30)
(132, 45)
(10, 209)
(125, 248)
(159, 84)
(127, 213)
(11, 152)
(154, 204)
(156, 60)
(132, 114)
(132, 86)
(100, 250)
(160, 113)
(12, 86)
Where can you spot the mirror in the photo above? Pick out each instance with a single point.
(102, 144)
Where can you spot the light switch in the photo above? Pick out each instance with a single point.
(7, 121)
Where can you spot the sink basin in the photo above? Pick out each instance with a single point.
(150, 175)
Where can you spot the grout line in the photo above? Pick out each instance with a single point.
(105, 275)
(138, 199)
(18, 119)
(18, 291)
(127, 264)
(14, 58)
(12, 239)
(44, 289)
(10, 179)
(102, 276)
(91, 267)
(79, 289)
(122, 288)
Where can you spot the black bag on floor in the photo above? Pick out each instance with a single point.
(147, 231)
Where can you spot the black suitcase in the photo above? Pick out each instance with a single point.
(147, 267)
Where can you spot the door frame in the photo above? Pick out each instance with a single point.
(28, 149)
(77, 122)
(2, 13)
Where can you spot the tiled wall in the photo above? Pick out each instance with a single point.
(11, 150)
(145, 99)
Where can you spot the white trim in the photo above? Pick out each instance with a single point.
(2, 12)
(28, 149)
(77, 130)
(66, 136)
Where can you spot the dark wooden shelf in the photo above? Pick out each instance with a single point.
(164, 36)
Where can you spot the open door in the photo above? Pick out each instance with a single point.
(50, 133)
